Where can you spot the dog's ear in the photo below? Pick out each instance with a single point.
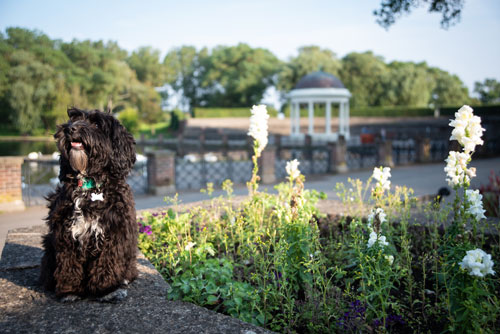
(64, 165)
(123, 151)
(75, 113)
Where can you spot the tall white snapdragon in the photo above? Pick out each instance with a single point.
(375, 218)
(382, 175)
(456, 170)
(467, 129)
(477, 263)
(258, 127)
(377, 238)
(292, 169)
(475, 200)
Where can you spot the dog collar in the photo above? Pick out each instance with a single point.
(86, 183)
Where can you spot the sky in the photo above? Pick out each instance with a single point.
(470, 49)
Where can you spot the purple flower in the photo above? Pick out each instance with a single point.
(145, 229)
(354, 318)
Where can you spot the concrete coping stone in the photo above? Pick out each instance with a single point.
(26, 308)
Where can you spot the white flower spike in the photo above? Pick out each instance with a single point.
(374, 237)
(475, 200)
(467, 129)
(456, 169)
(477, 263)
(258, 126)
(292, 169)
(382, 175)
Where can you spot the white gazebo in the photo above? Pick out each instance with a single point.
(320, 88)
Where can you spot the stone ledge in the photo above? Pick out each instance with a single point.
(26, 308)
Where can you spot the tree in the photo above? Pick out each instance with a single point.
(447, 89)
(365, 75)
(146, 64)
(407, 84)
(309, 59)
(32, 92)
(184, 71)
(489, 91)
(237, 76)
(390, 10)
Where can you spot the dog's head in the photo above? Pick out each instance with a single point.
(95, 144)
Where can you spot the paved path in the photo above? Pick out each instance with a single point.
(424, 179)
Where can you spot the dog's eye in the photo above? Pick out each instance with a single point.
(95, 125)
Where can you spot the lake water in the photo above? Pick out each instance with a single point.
(24, 147)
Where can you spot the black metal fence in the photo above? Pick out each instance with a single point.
(40, 178)
(195, 171)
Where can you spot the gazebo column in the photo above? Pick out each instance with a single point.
(328, 125)
(347, 131)
(311, 117)
(342, 118)
(297, 119)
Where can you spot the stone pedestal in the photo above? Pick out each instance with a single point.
(266, 165)
(161, 172)
(11, 197)
(385, 154)
(338, 154)
(423, 150)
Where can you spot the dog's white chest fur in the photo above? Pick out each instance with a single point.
(82, 229)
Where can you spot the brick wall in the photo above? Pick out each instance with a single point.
(10, 184)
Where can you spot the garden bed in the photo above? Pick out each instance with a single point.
(305, 267)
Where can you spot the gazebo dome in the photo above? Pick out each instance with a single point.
(319, 80)
(325, 89)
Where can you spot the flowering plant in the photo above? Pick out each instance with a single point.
(477, 263)
(292, 169)
(258, 131)
(258, 127)
(467, 129)
(382, 175)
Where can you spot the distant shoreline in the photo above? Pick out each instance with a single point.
(26, 138)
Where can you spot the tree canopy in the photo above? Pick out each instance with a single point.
(489, 91)
(41, 77)
(391, 10)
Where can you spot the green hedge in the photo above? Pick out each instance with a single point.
(489, 110)
(228, 112)
(401, 111)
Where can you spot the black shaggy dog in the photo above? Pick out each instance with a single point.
(91, 246)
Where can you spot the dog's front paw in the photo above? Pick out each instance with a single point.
(114, 297)
(69, 299)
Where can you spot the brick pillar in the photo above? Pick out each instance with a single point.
(423, 150)
(266, 169)
(385, 153)
(11, 198)
(161, 172)
(338, 154)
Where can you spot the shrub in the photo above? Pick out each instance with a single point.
(129, 117)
